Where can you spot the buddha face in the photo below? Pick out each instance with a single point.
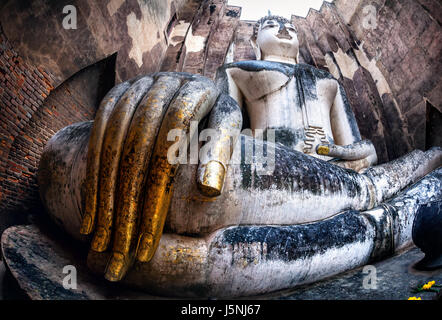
(277, 39)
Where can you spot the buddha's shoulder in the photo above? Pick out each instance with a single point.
(307, 69)
(285, 68)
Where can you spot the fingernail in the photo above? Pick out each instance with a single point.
(323, 150)
(100, 240)
(86, 225)
(116, 267)
(213, 179)
(145, 244)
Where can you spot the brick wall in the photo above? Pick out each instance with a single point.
(31, 112)
(406, 46)
(23, 88)
(200, 39)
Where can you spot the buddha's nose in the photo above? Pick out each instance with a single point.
(283, 31)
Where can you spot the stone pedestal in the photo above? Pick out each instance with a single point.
(40, 263)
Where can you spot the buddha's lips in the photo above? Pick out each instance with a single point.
(284, 36)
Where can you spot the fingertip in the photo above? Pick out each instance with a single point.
(323, 150)
(86, 225)
(212, 180)
(145, 244)
(116, 267)
(100, 241)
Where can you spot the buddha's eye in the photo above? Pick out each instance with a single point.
(270, 24)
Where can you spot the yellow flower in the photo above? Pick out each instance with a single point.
(428, 285)
(414, 298)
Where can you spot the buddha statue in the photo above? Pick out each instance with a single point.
(294, 198)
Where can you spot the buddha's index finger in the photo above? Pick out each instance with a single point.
(114, 137)
(133, 168)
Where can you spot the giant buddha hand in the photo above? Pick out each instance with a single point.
(129, 178)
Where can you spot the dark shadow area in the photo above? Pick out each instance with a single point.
(9, 288)
(433, 131)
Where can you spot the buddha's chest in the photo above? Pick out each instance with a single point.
(290, 106)
(297, 107)
(257, 85)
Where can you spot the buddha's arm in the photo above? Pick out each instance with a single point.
(356, 153)
(224, 127)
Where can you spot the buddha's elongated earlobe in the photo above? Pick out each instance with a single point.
(256, 48)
